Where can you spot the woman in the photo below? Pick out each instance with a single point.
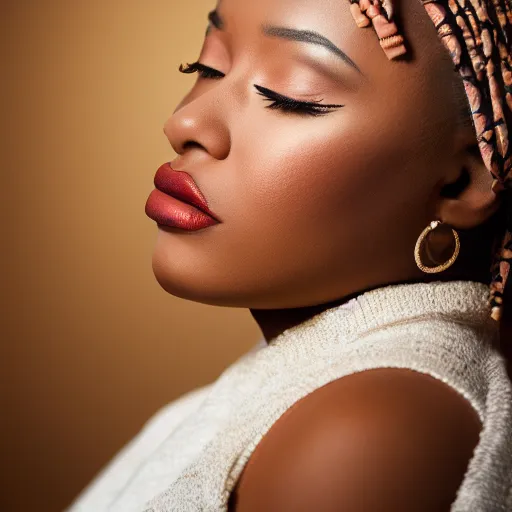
(345, 177)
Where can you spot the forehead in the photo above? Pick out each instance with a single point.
(251, 27)
(332, 18)
(249, 13)
(331, 15)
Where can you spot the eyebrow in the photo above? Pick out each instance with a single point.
(292, 34)
(308, 36)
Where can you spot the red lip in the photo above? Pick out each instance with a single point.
(181, 185)
(178, 201)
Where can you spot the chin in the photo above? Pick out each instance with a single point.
(190, 283)
(201, 273)
(188, 279)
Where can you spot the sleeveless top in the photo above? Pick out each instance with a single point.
(190, 455)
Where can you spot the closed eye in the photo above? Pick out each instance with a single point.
(278, 101)
(311, 108)
(204, 71)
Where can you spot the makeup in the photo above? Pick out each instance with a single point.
(278, 101)
(178, 202)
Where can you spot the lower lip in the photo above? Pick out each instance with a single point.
(169, 211)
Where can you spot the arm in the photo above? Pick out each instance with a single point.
(380, 440)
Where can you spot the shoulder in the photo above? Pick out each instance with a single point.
(379, 440)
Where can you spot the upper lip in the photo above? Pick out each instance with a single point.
(182, 186)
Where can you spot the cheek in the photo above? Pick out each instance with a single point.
(322, 194)
(323, 176)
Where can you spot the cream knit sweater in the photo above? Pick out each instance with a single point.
(190, 455)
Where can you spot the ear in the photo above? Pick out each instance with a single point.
(468, 201)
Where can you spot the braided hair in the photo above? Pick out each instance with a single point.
(478, 36)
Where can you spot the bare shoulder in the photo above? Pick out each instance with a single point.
(379, 440)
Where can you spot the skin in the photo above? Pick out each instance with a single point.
(378, 441)
(316, 210)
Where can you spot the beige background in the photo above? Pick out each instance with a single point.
(91, 345)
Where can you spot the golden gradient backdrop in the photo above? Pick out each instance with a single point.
(91, 345)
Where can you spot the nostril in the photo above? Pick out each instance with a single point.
(191, 144)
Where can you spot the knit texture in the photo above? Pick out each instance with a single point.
(190, 456)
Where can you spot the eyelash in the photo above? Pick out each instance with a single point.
(279, 102)
(204, 71)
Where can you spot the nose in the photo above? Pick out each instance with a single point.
(200, 123)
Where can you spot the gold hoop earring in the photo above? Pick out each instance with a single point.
(431, 270)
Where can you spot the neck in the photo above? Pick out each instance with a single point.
(274, 322)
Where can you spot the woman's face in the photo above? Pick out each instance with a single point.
(313, 207)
